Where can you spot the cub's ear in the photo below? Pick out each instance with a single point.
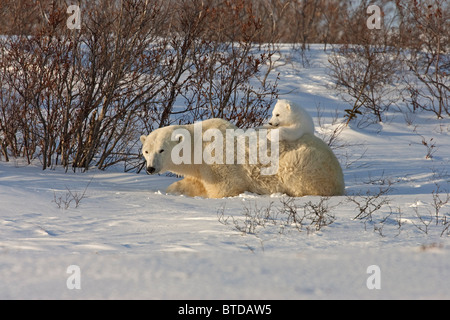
(288, 106)
(143, 139)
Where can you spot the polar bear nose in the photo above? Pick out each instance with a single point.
(150, 170)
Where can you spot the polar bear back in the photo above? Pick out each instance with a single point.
(309, 167)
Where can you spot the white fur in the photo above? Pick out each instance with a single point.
(307, 166)
(292, 121)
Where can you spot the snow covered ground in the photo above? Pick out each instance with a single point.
(129, 239)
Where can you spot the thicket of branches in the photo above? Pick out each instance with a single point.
(287, 21)
(81, 98)
(405, 62)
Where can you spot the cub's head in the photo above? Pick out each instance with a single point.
(157, 148)
(281, 114)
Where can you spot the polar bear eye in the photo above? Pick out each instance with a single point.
(277, 115)
(146, 152)
(161, 151)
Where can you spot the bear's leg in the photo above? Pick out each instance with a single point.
(190, 187)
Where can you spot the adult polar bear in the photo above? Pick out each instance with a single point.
(306, 166)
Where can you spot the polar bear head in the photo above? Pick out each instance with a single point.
(284, 114)
(287, 113)
(281, 114)
(156, 148)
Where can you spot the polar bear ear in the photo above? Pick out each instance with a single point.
(143, 139)
(288, 106)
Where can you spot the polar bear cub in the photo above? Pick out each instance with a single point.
(292, 121)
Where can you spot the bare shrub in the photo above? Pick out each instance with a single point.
(431, 147)
(63, 201)
(423, 33)
(412, 45)
(310, 216)
(435, 218)
(224, 80)
(361, 67)
(77, 89)
(253, 218)
(368, 204)
(374, 210)
(364, 74)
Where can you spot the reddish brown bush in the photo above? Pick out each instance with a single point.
(81, 98)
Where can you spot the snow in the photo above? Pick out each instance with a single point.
(132, 240)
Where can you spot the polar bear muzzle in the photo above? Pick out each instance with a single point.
(150, 170)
